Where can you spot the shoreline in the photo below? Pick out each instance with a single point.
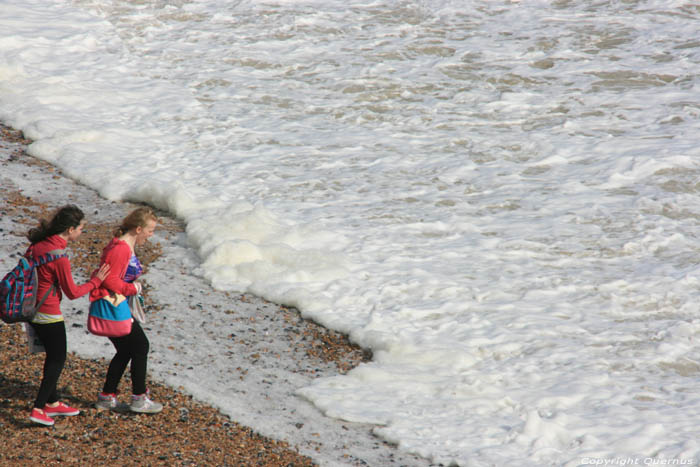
(215, 437)
(271, 350)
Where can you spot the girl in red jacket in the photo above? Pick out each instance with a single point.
(135, 229)
(54, 280)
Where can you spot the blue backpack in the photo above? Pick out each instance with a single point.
(18, 300)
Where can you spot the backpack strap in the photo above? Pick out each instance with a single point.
(50, 256)
(47, 258)
(51, 289)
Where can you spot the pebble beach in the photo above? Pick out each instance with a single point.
(270, 339)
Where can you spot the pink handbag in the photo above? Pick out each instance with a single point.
(110, 320)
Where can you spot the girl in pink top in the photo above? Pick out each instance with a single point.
(65, 226)
(135, 229)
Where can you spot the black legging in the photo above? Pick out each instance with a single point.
(132, 347)
(53, 336)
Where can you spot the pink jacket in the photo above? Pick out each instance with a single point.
(117, 254)
(57, 272)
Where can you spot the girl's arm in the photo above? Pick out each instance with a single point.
(67, 284)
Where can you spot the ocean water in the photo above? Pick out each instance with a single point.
(499, 198)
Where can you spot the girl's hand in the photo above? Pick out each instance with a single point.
(138, 288)
(103, 272)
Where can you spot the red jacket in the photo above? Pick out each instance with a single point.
(117, 254)
(57, 272)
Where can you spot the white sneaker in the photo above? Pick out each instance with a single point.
(142, 404)
(106, 401)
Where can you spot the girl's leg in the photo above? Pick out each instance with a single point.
(117, 366)
(53, 336)
(133, 347)
(140, 402)
(139, 358)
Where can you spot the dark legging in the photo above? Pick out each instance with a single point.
(53, 336)
(132, 347)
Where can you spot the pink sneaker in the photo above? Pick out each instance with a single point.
(38, 416)
(60, 409)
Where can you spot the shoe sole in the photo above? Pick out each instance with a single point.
(63, 414)
(146, 411)
(120, 407)
(41, 422)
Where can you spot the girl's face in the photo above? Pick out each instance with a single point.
(144, 233)
(74, 232)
